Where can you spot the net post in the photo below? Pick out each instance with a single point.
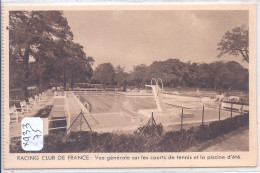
(242, 109)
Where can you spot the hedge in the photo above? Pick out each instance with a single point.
(152, 139)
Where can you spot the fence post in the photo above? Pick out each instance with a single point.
(231, 110)
(153, 120)
(181, 117)
(202, 115)
(80, 120)
(219, 112)
(242, 109)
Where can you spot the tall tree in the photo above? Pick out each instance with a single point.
(235, 43)
(105, 73)
(31, 31)
(120, 75)
(77, 62)
(138, 75)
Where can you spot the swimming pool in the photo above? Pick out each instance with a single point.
(108, 103)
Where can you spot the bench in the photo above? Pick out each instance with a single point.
(43, 96)
(39, 101)
(32, 103)
(24, 107)
(14, 114)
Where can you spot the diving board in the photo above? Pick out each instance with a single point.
(158, 94)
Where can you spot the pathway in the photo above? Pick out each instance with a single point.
(234, 141)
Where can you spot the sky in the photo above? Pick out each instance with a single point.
(130, 38)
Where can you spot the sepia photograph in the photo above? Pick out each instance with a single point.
(129, 81)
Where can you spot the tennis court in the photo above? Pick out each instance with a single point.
(119, 112)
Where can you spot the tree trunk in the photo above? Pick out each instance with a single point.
(56, 81)
(245, 56)
(215, 84)
(41, 83)
(64, 79)
(26, 71)
(72, 82)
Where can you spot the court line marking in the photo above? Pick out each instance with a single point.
(110, 113)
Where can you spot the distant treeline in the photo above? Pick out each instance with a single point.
(174, 73)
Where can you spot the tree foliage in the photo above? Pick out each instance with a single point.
(217, 75)
(174, 73)
(105, 73)
(120, 76)
(41, 45)
(235, 43)
(138, 75)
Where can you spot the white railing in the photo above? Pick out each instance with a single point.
(68, 114)
(95, 91)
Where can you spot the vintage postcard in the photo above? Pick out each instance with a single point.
(129, 86)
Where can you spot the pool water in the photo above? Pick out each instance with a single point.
(108, 103)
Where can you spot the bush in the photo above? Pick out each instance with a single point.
(218, 128)
(202, 133)
(149, 138)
